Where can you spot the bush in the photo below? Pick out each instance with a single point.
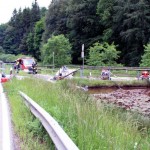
(103, 54)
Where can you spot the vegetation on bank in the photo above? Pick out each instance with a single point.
(109, 83)
(89, 124)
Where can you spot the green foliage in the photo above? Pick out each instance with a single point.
(38, 31)
(3, 28)
(29, 43)
(89, 123)
(126, 23)
(56, 19)
(7, 57)
(35, 14)
(103, 54)
(60, 46)
(1, 50)
(29, 129)
(19, 29)
(105, 11)
(9, 44)
(10, 57)
(145, 61)
(84, 25)
(131, 26)
(95, 57)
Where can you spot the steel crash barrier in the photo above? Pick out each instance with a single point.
(101, 67)
(57, 134)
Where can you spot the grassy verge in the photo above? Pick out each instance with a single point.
(90, 124)
(84, 82)
(30, 131)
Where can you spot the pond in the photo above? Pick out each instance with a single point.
(129, 98)
(99, 90)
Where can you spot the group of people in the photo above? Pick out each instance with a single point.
(32, 69)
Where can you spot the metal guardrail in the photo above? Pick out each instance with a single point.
(57, 134)
(102, 67)
(113, 67)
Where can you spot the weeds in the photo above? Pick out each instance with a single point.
(90, 125)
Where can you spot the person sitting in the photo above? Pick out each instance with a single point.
(3, 75)
(34, 68)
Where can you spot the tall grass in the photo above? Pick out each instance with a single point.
(98, 83)
(91, 125)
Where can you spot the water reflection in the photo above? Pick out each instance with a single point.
(101, 90)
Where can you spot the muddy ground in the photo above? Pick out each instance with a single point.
(130, 99)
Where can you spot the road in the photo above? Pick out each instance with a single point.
(6, 142)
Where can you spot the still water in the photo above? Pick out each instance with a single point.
(105, 90)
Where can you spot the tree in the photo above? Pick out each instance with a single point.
(3, 28)
(103, 54)
(43, 11)
(95, 58)
(131, 26)
(61, 48)
(1, 50)
(105, 11)
(9, 43)
(84, 25)
(145, 61)
(38, 31)
(56, 19)
(35, 14)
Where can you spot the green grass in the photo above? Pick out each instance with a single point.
(91, 125)
(98, 83)
(25, 124)
(46, 71)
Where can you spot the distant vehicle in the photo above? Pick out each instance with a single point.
(145, 75)
(105, 74)
(33, 69)
(26, 63)
(4, 79)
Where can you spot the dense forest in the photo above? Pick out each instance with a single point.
(125, 23)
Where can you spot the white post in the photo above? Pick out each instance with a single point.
(82, 56)
(53, 61)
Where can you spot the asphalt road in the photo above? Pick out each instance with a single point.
(0, 124)
(6, 139)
